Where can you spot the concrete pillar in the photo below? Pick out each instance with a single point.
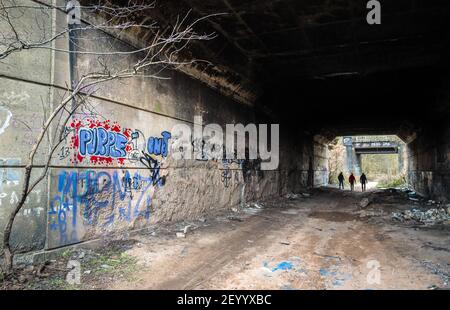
(349, 158)
(357, 164)
(401, 162)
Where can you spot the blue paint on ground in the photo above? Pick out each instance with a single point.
(286, 265)
(283, 266)
(326, 273)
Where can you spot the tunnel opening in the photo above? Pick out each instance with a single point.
(380, 158)
(410, 103)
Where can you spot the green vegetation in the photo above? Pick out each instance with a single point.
(396, 181)
(380, 165)
(382, 168)
(97, 269)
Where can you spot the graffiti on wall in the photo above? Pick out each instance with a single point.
(105, 143)
(99, 142)
(101, 198)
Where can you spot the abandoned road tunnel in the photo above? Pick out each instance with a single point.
(195, 124)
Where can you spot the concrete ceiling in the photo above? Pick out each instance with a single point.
(264, 40)
(282, 54)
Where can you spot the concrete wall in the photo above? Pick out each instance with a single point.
(84, 197)
(428, 155)
(429, 162)
(320, 161)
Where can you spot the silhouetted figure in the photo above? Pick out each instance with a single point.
(341, 180)
(351, 180)
(363, 180)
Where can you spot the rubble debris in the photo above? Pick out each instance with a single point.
(252, 210)
(186, 229)
(438, 270)
(292, 196)
(290, 211)
(257, 206)
(234, 218)
(181, 235)
(436, 248)
(430, 216)
(364, 202)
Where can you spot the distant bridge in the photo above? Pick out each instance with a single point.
(357, 146)
(376, 147)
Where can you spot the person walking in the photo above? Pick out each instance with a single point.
(363, 180)
(351, 180)
(341, 180)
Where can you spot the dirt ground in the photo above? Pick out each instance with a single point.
(325, 241)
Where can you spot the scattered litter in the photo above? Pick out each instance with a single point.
(234, 209)
(285, 242)
(364, 202)
(87, 272)
(186, 229)
(430, 216)
(250, 210)
(105, 266)
(290, 211)
(81, 255)
(292, 196)
(327, 256)
(181, 235)
(365, 213)
(438, 270)
(234, 218)
(434, 247)
(250, 241)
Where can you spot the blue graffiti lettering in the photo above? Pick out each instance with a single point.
(101, 142)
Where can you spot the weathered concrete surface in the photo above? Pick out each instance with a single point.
(323, 242)
(87, 197)
(429, 163)
(428, 154)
